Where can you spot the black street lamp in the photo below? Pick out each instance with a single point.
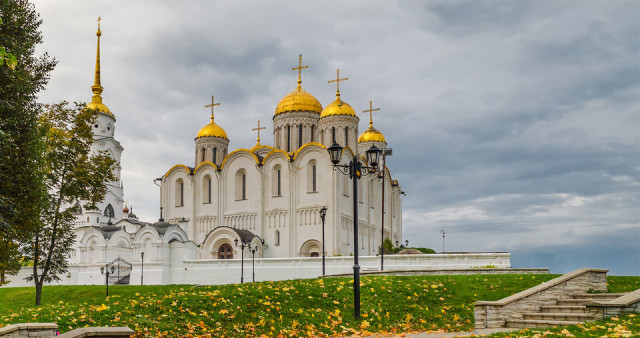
(142, 273)
(102, 270)
(355, 169)
(243, 245)
(387, 152)
(323, 214)
(442, 233)
(406, 243)
(253, 263)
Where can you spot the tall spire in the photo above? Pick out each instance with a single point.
(97, 88)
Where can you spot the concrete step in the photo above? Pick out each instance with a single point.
(598, 296)
(533, 323)
(557, 316)
(572, 302)
(564, 308)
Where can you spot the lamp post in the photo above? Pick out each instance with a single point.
(142, 273)
(323, 214)
(102, 271)
(253, 263)
(243, 245)
(406, 243)
(355, 169)
(385, 153)
(442, 233)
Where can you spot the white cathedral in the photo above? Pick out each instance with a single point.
(268, 197)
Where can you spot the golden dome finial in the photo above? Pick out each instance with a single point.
(299, 69)
(212, 105)
(96, 99)
(258, 130)
(337, 81)
(370, 111)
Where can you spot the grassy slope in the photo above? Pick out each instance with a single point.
(300, 307)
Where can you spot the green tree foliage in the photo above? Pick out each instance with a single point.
(6, 57)
(21, 145)
(72, 172)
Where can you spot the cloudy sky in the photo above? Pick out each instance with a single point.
(515, 125)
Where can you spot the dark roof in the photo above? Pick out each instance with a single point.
(162, 227)
(245, 235)
(108, 230)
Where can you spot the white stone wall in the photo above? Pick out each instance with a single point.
(179, 266)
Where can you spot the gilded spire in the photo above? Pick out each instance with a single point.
(211, 106)
(337, 81)
(299, 69)
(97, 88)
(258, 130)
(370, 111)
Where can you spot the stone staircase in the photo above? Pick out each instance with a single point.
(572, 298)
(569, 311)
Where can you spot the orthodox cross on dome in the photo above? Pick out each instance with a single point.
(212, 105)
(299, 69)
(99, 18)
(258, 130)
(370, 111)
(337, 81)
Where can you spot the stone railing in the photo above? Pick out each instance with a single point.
(46, 330)
(495, 314)
(627, 303)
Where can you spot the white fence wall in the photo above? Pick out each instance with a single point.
(213, 271)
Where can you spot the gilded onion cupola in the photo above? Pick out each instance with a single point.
(371, 136)
(338, 122)
(212, 143)
(296, 117)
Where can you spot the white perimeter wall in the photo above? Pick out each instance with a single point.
(215, 271)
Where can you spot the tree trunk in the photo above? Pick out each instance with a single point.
(38, 293)
(1, 278)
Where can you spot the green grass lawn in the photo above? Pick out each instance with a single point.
(291, 308)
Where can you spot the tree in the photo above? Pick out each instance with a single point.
(72, 173)
(21, 185)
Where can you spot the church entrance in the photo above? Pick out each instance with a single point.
(121, 271)
(314, 254)
(225, 252)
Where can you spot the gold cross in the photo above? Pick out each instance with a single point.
(258, 129)
(212, 105)
(337, 80)
(299, 69)
(99, 18)
(370, 111)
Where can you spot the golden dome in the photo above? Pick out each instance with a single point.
(338, 107)
(299, 100)
(212, 130)
(99, 106)
(371, 135)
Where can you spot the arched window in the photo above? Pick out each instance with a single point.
(179, 193)
(206, 189)
(288, 138)
(277, 181)
(109, 212)
(213, 157)
(312, 132)
(241, 185)
(225, 251)
(346, 136)
(277, 237)
(202, 152)
(299, 135)
(311, 176)
(333, 135)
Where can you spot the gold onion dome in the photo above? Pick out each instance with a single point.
(338, 107)
(371, 135)
(299, 100)
(212, 130)
(96, 100)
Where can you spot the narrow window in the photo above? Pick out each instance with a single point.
(346, 137)
(277, 237)
(215, 153)
(312, 131)
(202, 152)
(333, 135)
(288, 138)
(279, 184)
(299, 136)
(244, 187)
(314, 178)
(181, 193)
(209, 190)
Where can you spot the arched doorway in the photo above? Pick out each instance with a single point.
(225, 251)
(314, 254)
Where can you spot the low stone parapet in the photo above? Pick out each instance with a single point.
(495, 314)
(448, 272)
(626, 303)
(29, 330)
